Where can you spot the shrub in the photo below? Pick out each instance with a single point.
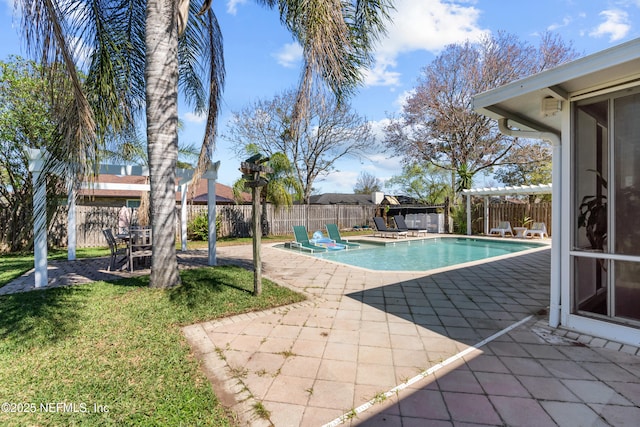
(198, 228)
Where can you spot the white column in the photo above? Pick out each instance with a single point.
(211, 175)
(71, 225)
(468, 214)
(555, 289)
(183, 216)
(36, 165)
(486, 215)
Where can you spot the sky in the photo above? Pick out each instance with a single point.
(262, 60)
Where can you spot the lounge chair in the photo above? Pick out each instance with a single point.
(334, 234)
(383, 231)
(503, 228)
(302, 240)
(537, 229)
(402, 225)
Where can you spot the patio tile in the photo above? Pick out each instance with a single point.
(516, 411)
(344, 337)
(619, 415)
(309, 348)
(375, 339)
(501, 384)
(284, 331)
(285, 414)
(567, 369)
(460, 381)
(287, 389)
(262, 362)
(300, 366)
(547, 389)
(426, 404)
(406, 342)
(540, 351)
(276, 345)
(376, 355)
(341, 351)
(376, 374)
(573, 414)
(249, 343)
(524, 366)
(314, 416)
(606, 371)
(595, 392)
(337, 370)
(629, 390)
(471, 408)
(332, 394)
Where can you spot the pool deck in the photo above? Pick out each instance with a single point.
(458, 346)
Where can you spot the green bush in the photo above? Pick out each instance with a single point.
(459, 214)
(198, 228)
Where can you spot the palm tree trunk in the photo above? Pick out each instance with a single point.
(161, 75)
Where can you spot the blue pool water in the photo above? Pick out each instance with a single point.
(426, 254)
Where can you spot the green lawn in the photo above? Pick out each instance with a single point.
(114, 352)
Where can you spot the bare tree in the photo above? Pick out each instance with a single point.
(438, 124)
(327, 132)
(367, 183)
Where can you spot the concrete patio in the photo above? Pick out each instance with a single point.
(454, 346)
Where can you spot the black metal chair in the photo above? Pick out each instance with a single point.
(114, 262)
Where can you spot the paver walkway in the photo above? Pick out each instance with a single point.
(462, 346)
(379, 348)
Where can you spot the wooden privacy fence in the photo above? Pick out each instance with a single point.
(234, 220)
(514, 213)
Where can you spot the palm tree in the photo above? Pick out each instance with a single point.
(126, 37)
(281, 189)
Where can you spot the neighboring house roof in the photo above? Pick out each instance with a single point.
(357, 199)
(224, 193)
(341, 199)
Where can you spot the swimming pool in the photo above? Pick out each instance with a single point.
(425, 254)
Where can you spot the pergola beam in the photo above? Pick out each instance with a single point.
(500, 191)
(36, 166)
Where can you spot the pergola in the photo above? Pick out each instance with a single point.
(500, 191)
(184, 177)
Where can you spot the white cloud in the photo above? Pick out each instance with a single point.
(401, 100)
(289, 55)
(616, 25)
(557, 25)
(232, 6)
(194, 118)
(427, 25)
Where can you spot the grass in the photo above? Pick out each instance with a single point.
(114, 352)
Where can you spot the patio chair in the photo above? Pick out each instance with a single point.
(503, 228)
(402, 225)
(537, 229)
(114, 262)
(334, 234)
(383, 231)
(139, 245)
(302, 240)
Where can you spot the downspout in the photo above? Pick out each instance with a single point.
(554, 139)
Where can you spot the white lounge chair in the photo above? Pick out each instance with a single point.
(537, 229)
(503, 228)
